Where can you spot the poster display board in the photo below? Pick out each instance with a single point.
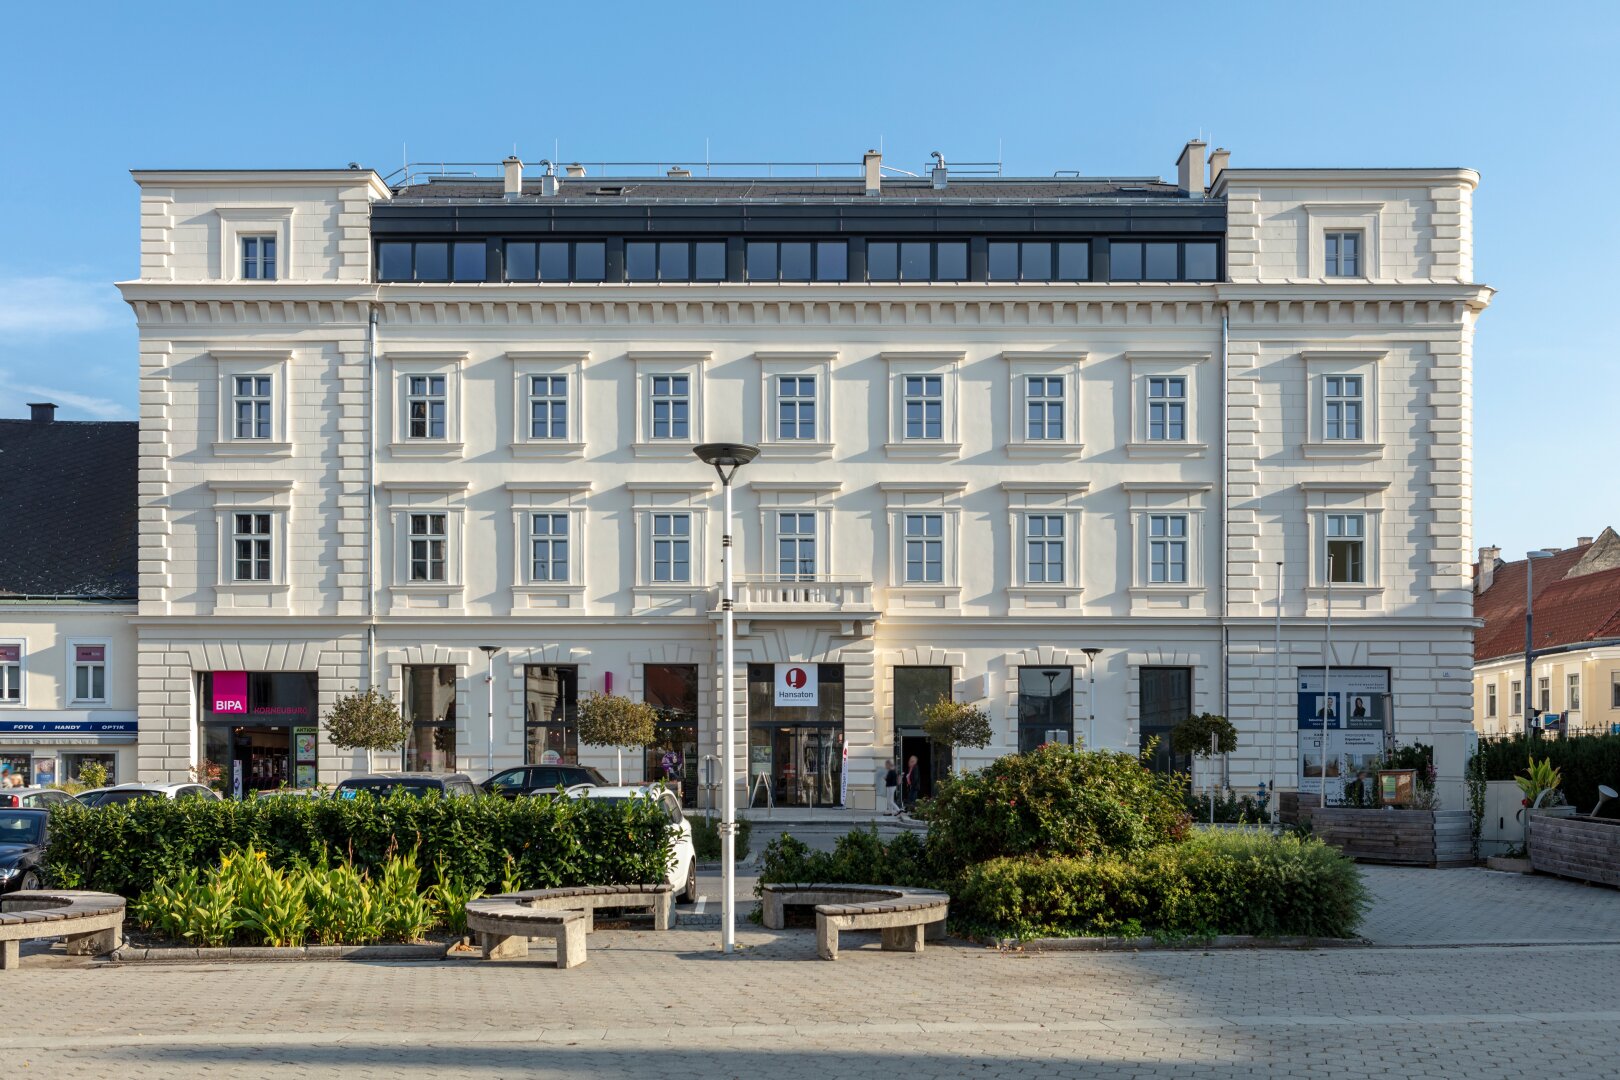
(304, 749)
(1341, 726)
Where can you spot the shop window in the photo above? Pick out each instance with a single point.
(430, 705)
(672, 756)
(916, 688)
(73, 766)
(1045, 706)
(550, 714)
(1166, 697)
(15, 764)
(795, 752)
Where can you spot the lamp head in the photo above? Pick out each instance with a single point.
(1540, 553)
(724, 455)
(1092, 653)
(490, 650)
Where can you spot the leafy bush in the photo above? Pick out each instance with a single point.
(1585, 761)
(1053, 801)
(550, 842)
(366, 721)
(706, 837)
(859, 857)
(1230, 808)
(1196, 734)
(615, 720)
(1214, 883)
(956, 724)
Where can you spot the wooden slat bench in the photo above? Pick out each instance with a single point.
(905, 916)
(505, 922)
(92, 922)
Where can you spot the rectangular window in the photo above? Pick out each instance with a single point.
(916, 260)
(796, 407)
(832, 260)
(925, 549)
(1490, 701)
(1043, 398)
(1614, 691)
(73, 766)
(550, 704)
(548, 547)
(1342, 406)
(1516, 692)
(424, 405)
(1073, 261)
(674, 260)
(671, 547)
(90, 673)
(430, 706)
(252, 401)
(1043, 549)
(671, 406)
(1544, 693)
(10, 673)
(797, 260)
(251, 543)
(432, 262)
(1167, 549)
(1201, 261)
(1028, 260)
(394, 260)
(1163, 260)
(924, 406)
(796, 546)
(259, 258)
(526, 260)
(1125, 261)
(427, 547)
(1347, 548)
(1045, 706)
(1572, 693)
(1159, 262)
(467, 261)
(1343, 251)
(1167, 408)
(951, 260)
(548, 406)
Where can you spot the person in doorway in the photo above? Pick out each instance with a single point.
(891, 789)
(913, 782)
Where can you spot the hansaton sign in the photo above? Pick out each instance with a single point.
(796, 684)
(230, 692)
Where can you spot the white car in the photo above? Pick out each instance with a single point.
(683, 866)
(126, 793)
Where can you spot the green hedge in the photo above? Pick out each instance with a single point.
(706, 837)
(478, 842)
(1585, 761)
(859, 857)
(1214, 883)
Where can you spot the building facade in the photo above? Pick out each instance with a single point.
(1042, 444)
(1575, 652)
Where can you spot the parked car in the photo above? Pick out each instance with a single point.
(411, 783)
(35, 798)
(541, 779)
(23, 837)
(128, 793)
(683, 864)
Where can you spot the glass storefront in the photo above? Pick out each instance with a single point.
(795, 751)
(672, 689)
(73, 766)
(430, 706)
(1166, 695)
(259, 730)
(1045, 706)
(916, 688)
(550, 704)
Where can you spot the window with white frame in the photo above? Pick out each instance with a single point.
(1043, 407)
(924, 549)
(425, 404)
(1544, 693)
(1342, 251)
(1167, 408)
(259, 257)
(252, 547)
(548, 407)
(1516, 692)
(1490, 701)
(1346, 548)
(1614, 691)
(924, 407)
(1572, 692)
(1342, 407)
(11, 673)
(1043, 549)
(671, 548)
(548, 547)
(427, 547)
(670, 407)
(796, 407)
(252, 405)
(796, 545)
(1167, 549)
(89, 674)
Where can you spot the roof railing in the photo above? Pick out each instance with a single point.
(419, 172)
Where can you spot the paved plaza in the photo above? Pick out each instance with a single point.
(667, 1004)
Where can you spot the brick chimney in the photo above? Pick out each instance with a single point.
(1488, 558)
(42, 412)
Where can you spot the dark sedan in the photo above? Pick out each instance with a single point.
(530, 779)
(22, 845)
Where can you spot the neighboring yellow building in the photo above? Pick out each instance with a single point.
(1575, 675)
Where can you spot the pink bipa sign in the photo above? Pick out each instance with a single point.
(230, 692)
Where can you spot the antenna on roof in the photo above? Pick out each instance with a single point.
(705, 155)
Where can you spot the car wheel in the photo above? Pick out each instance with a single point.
(689, 894)
(29, 880)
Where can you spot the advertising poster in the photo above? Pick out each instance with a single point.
(44, 772)
(304, 745)
(306, 776)
(1341, 726)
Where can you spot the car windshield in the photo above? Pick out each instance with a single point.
(596, 778)
(383, 788)
(18, 828)
(114, 798)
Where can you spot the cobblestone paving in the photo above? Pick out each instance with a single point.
(1414, 906)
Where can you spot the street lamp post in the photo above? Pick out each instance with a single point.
(1530, 558)
(1051, 714)
(1091, 697)
(489, 683)
(727, 458)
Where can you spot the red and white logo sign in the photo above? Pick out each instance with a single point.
(230, 692)
(796, 684)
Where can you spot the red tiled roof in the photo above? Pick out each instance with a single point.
(1567, 610)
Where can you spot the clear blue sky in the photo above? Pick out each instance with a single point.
(1526, 94)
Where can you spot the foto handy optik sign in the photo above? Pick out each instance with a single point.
(796, 685)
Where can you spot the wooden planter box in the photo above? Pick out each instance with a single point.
(1581, 847)
(1403, 837)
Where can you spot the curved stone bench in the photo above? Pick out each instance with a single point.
(905, 916)
(505, 922)
(92, 922)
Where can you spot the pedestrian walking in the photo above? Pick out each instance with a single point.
(913, 781)
(891, 789)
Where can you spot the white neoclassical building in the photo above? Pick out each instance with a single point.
(1052, 445)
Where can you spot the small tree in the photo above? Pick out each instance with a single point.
(92, 774)
(1204, 736)
(366, 721)
(616, 721)
(956, 724)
